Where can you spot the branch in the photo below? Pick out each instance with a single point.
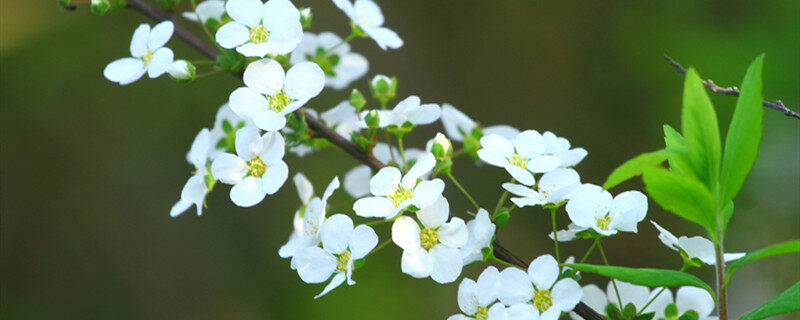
(323, 131)
(733, 91)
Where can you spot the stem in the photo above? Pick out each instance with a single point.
(352, 36)
(380, 246)
(201, 62)
(722, 291)
(203, 25)
(659, 293)
(463, 190)
(555, 235)
(502, 200)
(374, 222)
(614, 283)
(206, 74)
(594, 244)
(400, 147)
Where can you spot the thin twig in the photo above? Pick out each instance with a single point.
(323, 131)
(733, 91)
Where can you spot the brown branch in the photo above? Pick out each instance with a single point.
(323, 131)
(733, 91)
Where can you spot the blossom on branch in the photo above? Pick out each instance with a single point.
(591, 207)
(695, 247)
(521, 158)
(308, 218)
(259, 29)
(341, 66)
(367, 16)
(148, 55)
(195, 190)
(540, 288)
(553, 188)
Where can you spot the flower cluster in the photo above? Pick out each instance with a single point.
(660, 301)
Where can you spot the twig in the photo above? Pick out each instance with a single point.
(733, 91)
(323, 131)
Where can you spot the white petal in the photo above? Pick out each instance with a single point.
(248, 192)
(162, 61)
(248, 143)
(529, 144)
(629, 293)
(660, 303)
(423, 165)
(336, 232)
(385, 37)
(332, 186)
(521, 175)
(513, 286)
(315, 265)
(269, 120)
(733, 256)
(124, 71)
(454, 233)
(487, 286)
(543, 272)
(336, 281)
(504, 131)
(275, 176)
(425, 114)
(232, 35)
(247, 12)
(554, 180)
(456, 316)
(139, 41)
(274, 147)
(447, 264)
(160, 35)
(385, 181)
(698, 247)
(356, 181)
(194, 191)
(295, 244)
(550, 314)
(495, 150)
(228, 168)
(427, 192)
(304, 188)
(436, 214)
(346, 6)
(374, 207)
(405, 233)
(543, 164)
(180, 207)
(284, 35)
(362, 241)
(245, 102)
(571, 158)
(198, 152)
(630, 201)
(305, 80)
(522, 311)
(467, 296)
(594, 297)
(351, 66)
(456, 124)
(265, 76)
(417, 264)
(693, 298)
(369, 14)
(520, 190)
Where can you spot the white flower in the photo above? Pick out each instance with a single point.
(560, 147)
(356, 181)
(270, 94)
(368, 16)
(260, 28)
(182, 70)
(409, 110)
(688, 298)
(568, 234)
(258, 169)
(195, 190)
(307, 219)
(342, 245)
(539, 287)
(456, 124)
(502, 130)
(394, 192)
(148, 55)
(475, 298)
(592, 207)
(223, 134)
(481, 231)
(522, 158)
(694, 247)
(342, 118)
(431, 250)
(553, 188)
(209, 9)
(341, 66)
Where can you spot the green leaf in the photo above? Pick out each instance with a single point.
(644, 276)
(634, 167)
(783, 303)
(774, 250)
(744, 134)
(678, 156)
(682, 195)
(700, 129)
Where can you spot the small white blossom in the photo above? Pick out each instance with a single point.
(431, 250)
(209, 9)
(568, 234)
(342, 118)
(553, 188)
(368, 16)
(456, 124)
(223, 134)
(258, 169)
(475, 299)
(148, 55)
(481, 231)
(195, 190)
(591, 207)
(549, 296)
(270, 94)
(307, 219)
(688, 298)
(560, 147)
(259, 29)
(356, 181)
(521, 158)
(409, 110)
(341, 66)
(342, 245)
(182, 70)
(502, 130)
(694, 247)
(393, 192)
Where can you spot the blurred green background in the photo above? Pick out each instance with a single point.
(90, 169)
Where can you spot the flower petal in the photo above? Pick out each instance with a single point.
(180, 207)
(468, 296)
(139, 40)
(160, 34)
(124, 71)
(385, 37)
(385, 181)
(454, 233)
(304, 80)
(521, 175)
(543, 164)
(247, 12)
(336, 281)
(275, 176)
(162, 61)
(245, 102)
(543, 272)
(248, 192)
(304, 188)
(228, 168)
(314, 265)
(265, 76)
(423, 165)
(362, 241)
(232, 35)
(513, 286)
(692, 298)
(369, 14)
(427, 192)
(487, 286)
(436, 214)
(336, 232)
(405, 234)
(356, 181)
(417, 263)
(447, 264)
(378, 207)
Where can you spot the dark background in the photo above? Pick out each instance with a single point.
(90, 169)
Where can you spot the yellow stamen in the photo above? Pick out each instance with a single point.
(428, 238)
(342, 260)
(400, 195)
(482, 313)
(278, 101)
(147, 57)
(518, 161)
(542, 300)
(603, 222)
(259, 34)
(256, 167)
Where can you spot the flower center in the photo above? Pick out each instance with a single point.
(518, 161)
(256, 167)
(147, 57)
(326, 61)
(482, 313)
(259, 34)
(542, 300)
(400, 195)
(342, 260)
(428, 238)
(603, 222)
(278, 101)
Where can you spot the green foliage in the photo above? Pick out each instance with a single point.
(774, 250)
(700, 130)
(678, 157)
(744, 134)
(501, 218)
(682, 195)
(168, 5)
(788, 301)
(357, 100)
(644, 276)
(230, 61)
(634, 167)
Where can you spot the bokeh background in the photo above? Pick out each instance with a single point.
(90, 169)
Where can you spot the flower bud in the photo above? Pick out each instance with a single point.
(357, 100)
(372, 119)
(442, 149)
(305, 17)
(99, 6)
(182, 71)
(383, 88)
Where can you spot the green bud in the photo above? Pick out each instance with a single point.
(501, 218)
(372, 119)
(357, 100)
(383, 88)
(671, 312)
(689, 315)
(182, 71)
(629, 312)
(612, 312)
(442, 149)
(357, 30)
(646, 316)
(99, 7)
(305, 18)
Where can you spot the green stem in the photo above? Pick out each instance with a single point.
(205, 29)
(374, 222)
(380, 246)
(658, 294)
(463, 190)
(502, 200)
(206, 74)
(614, 283)
(400, 147)
(202, 62)
(594, 244)
(352, 36)
(555, 235)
